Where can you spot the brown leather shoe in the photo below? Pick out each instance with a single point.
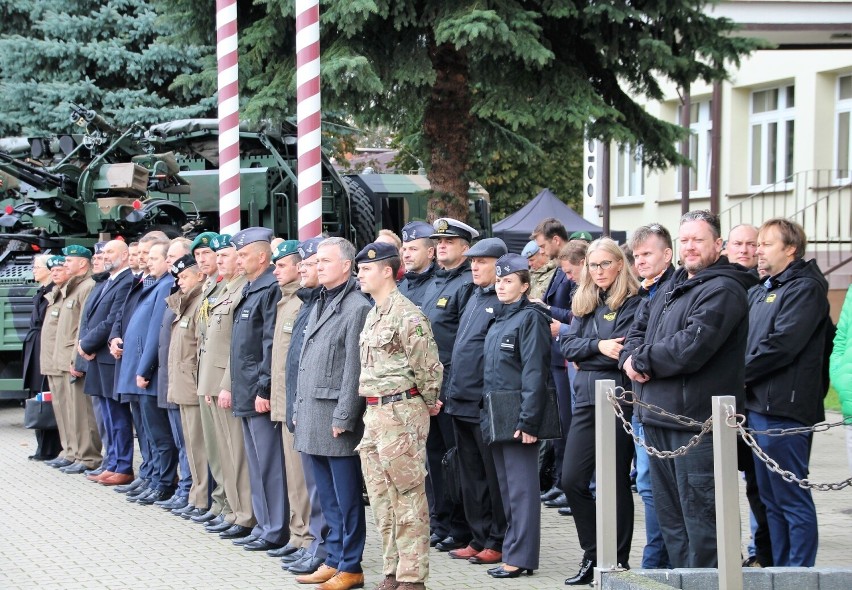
(487, 556)
(465, 553)
(323, 574)
(117, 479)
(389, 583)
(100, 476)
(343, 581)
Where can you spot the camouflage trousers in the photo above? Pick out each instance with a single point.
(393, 458)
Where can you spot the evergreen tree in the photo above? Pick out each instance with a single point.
(110, 56)
(470, 80)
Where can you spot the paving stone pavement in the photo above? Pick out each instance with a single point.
(61, 531)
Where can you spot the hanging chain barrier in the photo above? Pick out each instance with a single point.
(735, 420)
(621, 396)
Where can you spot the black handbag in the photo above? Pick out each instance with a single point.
(39, 415)
(504, 408)
(452, 476)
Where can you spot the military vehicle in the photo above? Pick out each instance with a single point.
(98, 182)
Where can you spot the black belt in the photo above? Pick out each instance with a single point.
(393, 397)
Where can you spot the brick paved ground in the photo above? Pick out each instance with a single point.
(61, 531)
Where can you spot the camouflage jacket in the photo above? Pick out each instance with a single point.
(398, 351)
(540, 280)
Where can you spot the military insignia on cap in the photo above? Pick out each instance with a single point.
(443, 226)
(204, 240)
(371, 253)
(242, 240)
(215, 242)
(405, 236)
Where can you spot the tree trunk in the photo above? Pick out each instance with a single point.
(446, 127)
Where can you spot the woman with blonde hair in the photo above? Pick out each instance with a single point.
(603, 307)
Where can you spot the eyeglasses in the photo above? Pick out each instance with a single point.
(306, 264)
(593, 266)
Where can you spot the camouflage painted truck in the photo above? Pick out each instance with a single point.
(98, 182)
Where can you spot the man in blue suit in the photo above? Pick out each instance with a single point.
(98, 317)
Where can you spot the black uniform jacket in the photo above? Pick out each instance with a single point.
(517, 358)
(415, 284)
(251, 343)
(581, 347)
(786, 341)
(693, 346)
(464, 394)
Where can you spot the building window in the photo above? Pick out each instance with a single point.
(843, 145)
(700, 128)
(629, 172)
(772, 132)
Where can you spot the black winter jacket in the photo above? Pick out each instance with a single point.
(581, 347)
(786, 341)
(443, 304)
(464, 394)
(693, 346)
(415, 284)
(251, 343)
(517, 358)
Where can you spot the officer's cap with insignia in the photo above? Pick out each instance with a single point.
(447, 227)
(54, 261)
(510, 263)
(251, 235)
(285, 248)
(581, 235)
(309, 247)
(99, 247)
(181, 264)
(488, 248)
(531, 249)
(375, 252)
(77, 251)
(203, 240)
(220, 242)
(416, 230)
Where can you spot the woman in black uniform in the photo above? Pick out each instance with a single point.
(603, 308)
(517, 358)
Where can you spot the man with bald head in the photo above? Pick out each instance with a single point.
(99, 315)
(742, 245)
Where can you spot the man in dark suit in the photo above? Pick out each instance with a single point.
(98, 317)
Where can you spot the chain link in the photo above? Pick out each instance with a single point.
(736, 421)
(634, 401)
(614, 399)
(799, 429)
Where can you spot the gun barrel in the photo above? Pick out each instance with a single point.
(33, 175)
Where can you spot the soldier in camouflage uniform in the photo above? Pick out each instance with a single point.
(401, 378)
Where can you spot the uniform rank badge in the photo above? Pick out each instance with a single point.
(442, 303)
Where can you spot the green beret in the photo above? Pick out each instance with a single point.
(54, 261)
(203, 240)
(75, 250)
(220, 242)
(285, 248)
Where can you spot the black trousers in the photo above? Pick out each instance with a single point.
(577, 472)
(762, 541)
(483, 505)
(563, 395)
(447, 517)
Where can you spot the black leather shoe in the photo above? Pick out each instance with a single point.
(305, 566)
(449, 544)
(245, 540)
(154, 497)
(183, 510)
(261, 545)
(282, 551)
(584, 576)
(551, 494)
(59, 463)
(219, 528)
(179, 503)
(298, 555)
(435, 539)
(74, 469)
(167, 504)
(137, 494)
(206, 517)
(566, 511)
(97, 471)
(235, 532)
(191, 513)
(502, 572)
(133, 485)
(560, 501)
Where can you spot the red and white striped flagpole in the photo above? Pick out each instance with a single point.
(229, 116)
(308, 116)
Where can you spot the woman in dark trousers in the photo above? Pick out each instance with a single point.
(48, 440)
(603, 307)
(517, 358)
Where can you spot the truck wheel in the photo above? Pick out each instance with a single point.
(361, 212)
